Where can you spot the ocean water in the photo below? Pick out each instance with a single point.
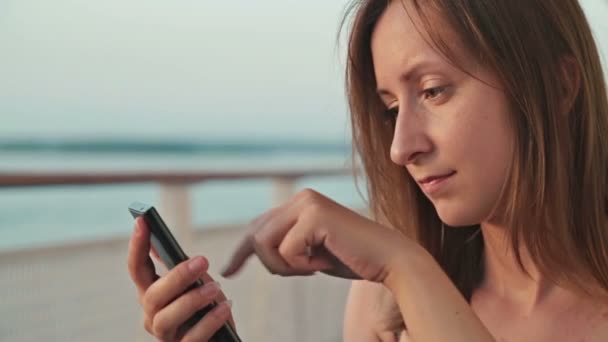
(41, 216)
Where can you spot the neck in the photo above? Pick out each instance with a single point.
(505, 277)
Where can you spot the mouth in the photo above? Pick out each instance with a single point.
(434, 183)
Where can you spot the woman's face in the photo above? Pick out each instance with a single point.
(452, 130)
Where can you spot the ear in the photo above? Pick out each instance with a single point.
(570, 83)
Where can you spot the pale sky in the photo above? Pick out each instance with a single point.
(190, 68)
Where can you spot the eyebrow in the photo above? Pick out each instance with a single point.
(411, 72)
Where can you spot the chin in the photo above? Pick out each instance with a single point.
(455, 215)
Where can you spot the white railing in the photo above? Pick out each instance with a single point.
(82, 292)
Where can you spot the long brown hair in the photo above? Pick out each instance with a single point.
(556, 199)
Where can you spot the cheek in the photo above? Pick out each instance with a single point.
(478, 145)
(493, 147)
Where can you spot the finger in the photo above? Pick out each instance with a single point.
(155, 254)
(141, 268)
(210, 324)
(310, 246)
(266, 245)
(167, 321)
(276, 264)
(273, 221)
(268, 237)
(245, 248)
(243, 251)
(302, 245)
(173, 284)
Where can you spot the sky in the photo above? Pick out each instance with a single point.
(236, 69)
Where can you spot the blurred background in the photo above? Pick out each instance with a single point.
(213, 111)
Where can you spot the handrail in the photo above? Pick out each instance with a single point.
(175, 186)
(51, 178)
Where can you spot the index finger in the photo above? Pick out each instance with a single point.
(246, 247)
(141, 267)
(244, 250)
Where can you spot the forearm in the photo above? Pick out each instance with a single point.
(433, 308)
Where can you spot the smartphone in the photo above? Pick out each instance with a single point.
(172, 254)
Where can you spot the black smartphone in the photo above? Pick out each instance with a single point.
(172, 254)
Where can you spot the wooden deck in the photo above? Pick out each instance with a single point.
(83, 293)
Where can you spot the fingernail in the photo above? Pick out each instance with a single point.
(210, 289)
(222, 309)
(196, 265)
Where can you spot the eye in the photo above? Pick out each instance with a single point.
(433, 93)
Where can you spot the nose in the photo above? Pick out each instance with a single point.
(410, 140)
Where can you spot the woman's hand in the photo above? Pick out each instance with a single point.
(311, 233)
(166, 305)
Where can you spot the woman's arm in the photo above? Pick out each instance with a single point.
(434, 308)
(358, 317)
(311, 233)
(371, 314)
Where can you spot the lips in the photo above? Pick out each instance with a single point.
(436, 178)
(433, 184)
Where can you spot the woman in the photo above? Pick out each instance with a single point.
(482, 127)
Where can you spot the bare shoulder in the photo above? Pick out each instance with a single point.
(600, 331)
(371, 313)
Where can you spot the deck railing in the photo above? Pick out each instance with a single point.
(81, 291)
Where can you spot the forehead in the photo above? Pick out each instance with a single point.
(400, 39)
(399, 26)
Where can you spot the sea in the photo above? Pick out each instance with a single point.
(31, 217)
